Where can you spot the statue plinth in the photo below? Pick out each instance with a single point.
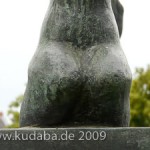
(76, 139)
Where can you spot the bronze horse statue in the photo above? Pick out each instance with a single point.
(79, 75)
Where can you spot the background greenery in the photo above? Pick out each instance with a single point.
(140, 98)
(139, 101)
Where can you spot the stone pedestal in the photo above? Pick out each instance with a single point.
(75, 139)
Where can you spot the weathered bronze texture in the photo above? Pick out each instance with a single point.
(79, 75)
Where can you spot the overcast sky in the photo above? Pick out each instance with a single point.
(20, 23)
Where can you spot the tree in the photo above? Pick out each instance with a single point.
(140, 98)
(13, 112)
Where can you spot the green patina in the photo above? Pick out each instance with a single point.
(76, 22)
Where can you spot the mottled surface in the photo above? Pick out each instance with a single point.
(118, 12)
(116, 139)
(79, 74)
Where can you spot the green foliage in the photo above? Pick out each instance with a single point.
(13, 112)
(140, 98)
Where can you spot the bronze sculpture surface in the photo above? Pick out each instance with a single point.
(79, 75)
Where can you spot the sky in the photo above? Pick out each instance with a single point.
(20, 25)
